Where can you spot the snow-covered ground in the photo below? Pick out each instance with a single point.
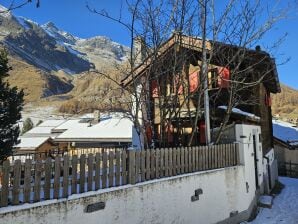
(285, 205)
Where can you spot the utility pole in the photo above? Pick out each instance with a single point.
(205, 71)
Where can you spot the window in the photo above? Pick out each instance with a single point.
(154, 88)
(193, 81)
(218, 78)
(212, 79)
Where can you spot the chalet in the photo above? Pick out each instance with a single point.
(108, 131)
(169, 82)
(87, 131)
(33, 145)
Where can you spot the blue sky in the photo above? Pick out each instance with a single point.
(74, 17)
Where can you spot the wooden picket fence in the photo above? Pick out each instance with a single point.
(34, 181)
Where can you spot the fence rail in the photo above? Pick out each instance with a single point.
(288, 169)
(33, 181)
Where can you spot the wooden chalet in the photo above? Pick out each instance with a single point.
(172, 95)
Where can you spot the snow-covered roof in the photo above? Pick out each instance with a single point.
(86, 116)
(69, 124)
(286, 132)
(31, 142)
(40, 132)
(108, 129)
(238, 111)
(51, 123)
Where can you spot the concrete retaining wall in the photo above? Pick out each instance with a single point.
(223, 195)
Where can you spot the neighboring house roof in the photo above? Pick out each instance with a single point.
(286, 133)
(31, 142)
(40, 132)
(195, 43)
(109, 129)
(51, 123)
(69, 124)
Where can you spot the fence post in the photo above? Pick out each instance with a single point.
(37, 180)
(90, 172)
(111, 169)
(104, 169)
(157, 163)
(27, 182)
(143, 165)
(137, 162)
(174, 162)
(5, 182)
(65, 175)
(237, 154)
(148, 160)
(124, 168)
(74, 177)
(82, 173)
(57, 177)
(118, 168)
(131, 167)
(16, 182)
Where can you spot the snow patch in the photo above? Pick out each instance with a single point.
(238, 111)
(285, 207)
(4, 12)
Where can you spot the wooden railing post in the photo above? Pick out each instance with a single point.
(16, 182)
(131, 167)
(5, 182)
(74, 175)
(82, 173)
(124, 167)
(237, 154)
(57, 178)
(37, 180)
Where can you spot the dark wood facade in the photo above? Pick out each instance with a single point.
(174, 100)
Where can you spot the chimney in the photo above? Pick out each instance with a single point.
(96, 117)
(258, 48)
(139, 50)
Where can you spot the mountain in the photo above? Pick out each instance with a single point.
(46, 59)
(285, 104)
(52, 66)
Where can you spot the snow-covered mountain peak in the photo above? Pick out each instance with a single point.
(4, 12)
(50, 26)
(59, 35)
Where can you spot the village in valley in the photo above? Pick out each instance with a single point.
(145, 111)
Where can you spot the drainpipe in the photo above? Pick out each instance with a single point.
(268, 170)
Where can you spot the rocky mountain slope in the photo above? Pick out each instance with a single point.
(52, 66)
(46, 60)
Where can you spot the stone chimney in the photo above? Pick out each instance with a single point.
(96, 117)
(139, 50)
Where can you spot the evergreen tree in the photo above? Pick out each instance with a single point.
(28, 125)
(11, 103)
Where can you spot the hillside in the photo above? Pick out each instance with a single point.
(285, 103)
(55, 68)
(48, 62)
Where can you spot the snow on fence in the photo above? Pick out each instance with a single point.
(33, 181)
